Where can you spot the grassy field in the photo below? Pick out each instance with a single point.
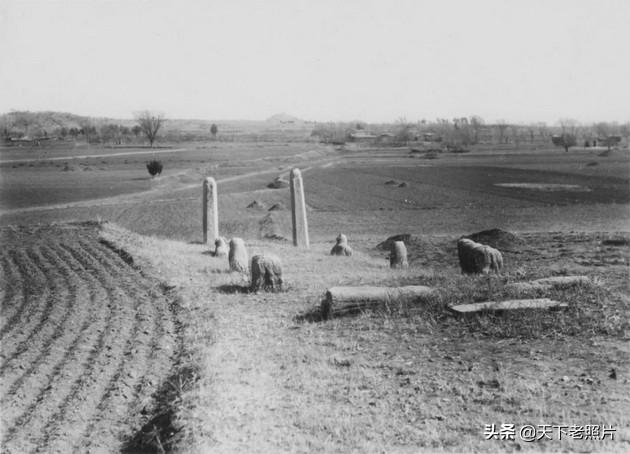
(346, 190)
(273, 378)
(263, 372)
(39, 177)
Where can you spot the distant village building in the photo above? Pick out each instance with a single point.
(362, 136)
(431, 137)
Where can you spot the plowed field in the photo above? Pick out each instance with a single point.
(86, 342)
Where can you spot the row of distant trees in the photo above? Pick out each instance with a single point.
(148, 127)
(454, 132)
(466, 131)
(27, 126)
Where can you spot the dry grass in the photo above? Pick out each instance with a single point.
(407, 379)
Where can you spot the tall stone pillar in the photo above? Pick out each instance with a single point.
(210, 212)
(298, 210)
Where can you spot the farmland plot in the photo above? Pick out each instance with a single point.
(87, 341)
(453, 196)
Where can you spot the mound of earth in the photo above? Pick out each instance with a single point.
(389, 242)
(391, 182)
(269, 227)
(256, 205)
(277, 207)
(278, 183)
(605, 153)
(496, 238)
(620, 241)
(275, 236)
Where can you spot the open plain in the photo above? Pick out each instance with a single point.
(120, 331)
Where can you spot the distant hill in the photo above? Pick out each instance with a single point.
(284, 118)
(37, 124)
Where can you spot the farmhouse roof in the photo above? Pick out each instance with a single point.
(362, 135)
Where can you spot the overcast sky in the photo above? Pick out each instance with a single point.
(378, 60)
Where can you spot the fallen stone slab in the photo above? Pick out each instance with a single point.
(560, 281)
(494, 306)
(548, 283)
(347, 300)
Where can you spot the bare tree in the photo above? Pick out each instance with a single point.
(564, 140)
(22, 120)
(602, 129)
(111, 132)
(569, 125)
(568, 138)
(543, 131)
(463, 131)
(516, 135)
(404, 131)
(476, 123)
(150, 123)
(88, 129)
(445, 130)
(609, 133)
(502, 126)
(531, 132)
(624, 129)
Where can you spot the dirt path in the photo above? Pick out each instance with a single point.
(89, 156)
(86, 342)
(136, 197)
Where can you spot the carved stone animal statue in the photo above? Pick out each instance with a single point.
(238, 256)
(266, 273)
(476, 258)
(341, 248)
(220, 247)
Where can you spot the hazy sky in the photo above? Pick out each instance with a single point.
(319, 59)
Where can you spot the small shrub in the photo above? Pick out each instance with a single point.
(154, 167)
(456, 149)
(431, 155)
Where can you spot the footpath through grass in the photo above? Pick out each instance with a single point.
(415, 378)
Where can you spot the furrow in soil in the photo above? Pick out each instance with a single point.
(72, 359)
(34, 292)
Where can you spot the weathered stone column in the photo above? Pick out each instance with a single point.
(298, 210)
(210, 210)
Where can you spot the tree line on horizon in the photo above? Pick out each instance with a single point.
(455, 132)
(466, 131)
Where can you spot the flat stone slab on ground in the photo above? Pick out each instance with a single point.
(549, 283)
(537, 303)
(559, 281)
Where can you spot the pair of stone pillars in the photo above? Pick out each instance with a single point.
(210, 213)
